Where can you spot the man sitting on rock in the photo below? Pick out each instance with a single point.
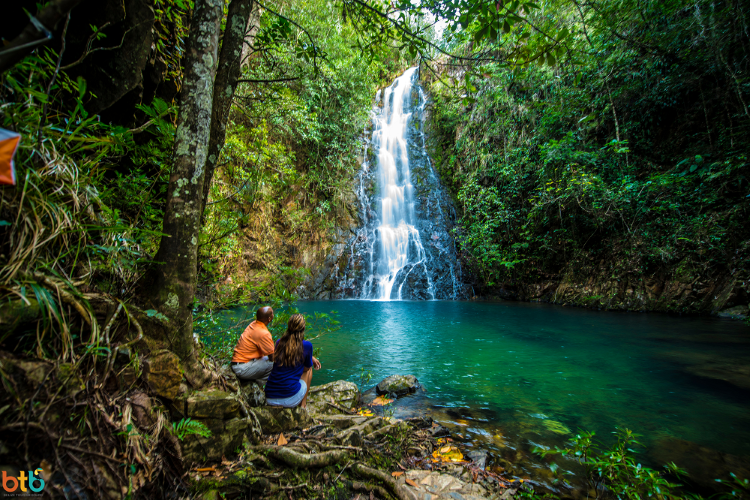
(253, 355)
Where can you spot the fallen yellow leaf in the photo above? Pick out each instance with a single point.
(448, 454)
(412, 483)
(381, 401)
(282, 440)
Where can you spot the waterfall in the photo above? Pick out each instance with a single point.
(399, 241)
(404, 249)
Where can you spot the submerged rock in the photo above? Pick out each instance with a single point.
(342, 393)
(398, 385)
(736, 373)
(479, 457)
(736, 312)
(704, 465)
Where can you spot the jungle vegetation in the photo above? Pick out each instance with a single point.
(623, 157)
(168, 147)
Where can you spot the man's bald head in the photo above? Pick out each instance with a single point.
(264, 315)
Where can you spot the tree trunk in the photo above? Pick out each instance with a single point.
(173, 289)
(240, 23)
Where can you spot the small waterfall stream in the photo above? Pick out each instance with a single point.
(404, 250)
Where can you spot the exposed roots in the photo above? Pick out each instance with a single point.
(369, 473)
(302, 461)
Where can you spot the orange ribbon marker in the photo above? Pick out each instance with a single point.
(8, 145)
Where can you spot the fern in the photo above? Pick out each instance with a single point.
(187, 427)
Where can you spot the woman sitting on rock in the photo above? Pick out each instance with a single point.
(290, 378)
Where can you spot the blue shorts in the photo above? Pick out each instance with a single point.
(291, 401)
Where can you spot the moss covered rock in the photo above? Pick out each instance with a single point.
(342, 393)
(275, 419)
(398, 385)
(212, 404)
(225, 439)
(163, 374)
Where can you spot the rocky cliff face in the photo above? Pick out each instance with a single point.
(681, 290)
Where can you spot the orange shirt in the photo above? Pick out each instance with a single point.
(255, 342)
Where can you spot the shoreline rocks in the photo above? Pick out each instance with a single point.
(341, 393)
(398, 385)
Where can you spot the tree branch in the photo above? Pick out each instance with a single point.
(31, 36)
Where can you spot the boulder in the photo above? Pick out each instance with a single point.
(398, 385)
(253, 394)
(163, 374)
(736, 312)
(275, 419)
(225, 439)
(342, 393)
(212, 404)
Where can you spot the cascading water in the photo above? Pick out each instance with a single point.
(404, 249)
(399, 241)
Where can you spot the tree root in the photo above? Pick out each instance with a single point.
(358, 486)
(399, 491)
(378, 433)
(302, 461)
(341, 408)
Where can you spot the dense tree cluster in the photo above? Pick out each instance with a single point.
(623, 157)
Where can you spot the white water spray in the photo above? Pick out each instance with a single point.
(399, 241)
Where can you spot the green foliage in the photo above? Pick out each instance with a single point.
(188, 427)
(62, 230)
(614, 158)
(364, 378)
(286, 173)
(220, 330)
(616, 472)
(171, 29)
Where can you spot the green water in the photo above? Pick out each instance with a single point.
(514, 375)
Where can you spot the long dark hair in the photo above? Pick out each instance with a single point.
(289, 348)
